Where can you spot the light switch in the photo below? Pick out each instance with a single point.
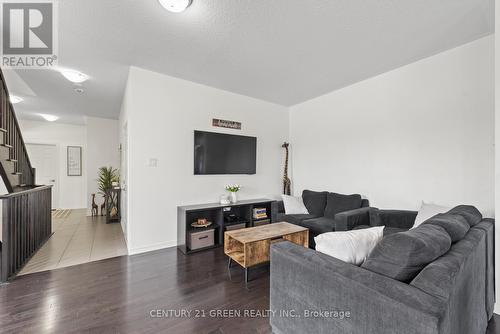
(153, 162)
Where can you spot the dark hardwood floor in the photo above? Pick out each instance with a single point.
(118, 295)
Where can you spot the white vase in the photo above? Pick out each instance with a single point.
(234, 197)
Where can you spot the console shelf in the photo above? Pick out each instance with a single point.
(215, 213)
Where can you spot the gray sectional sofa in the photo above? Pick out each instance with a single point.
(327, 212)
(435, 278)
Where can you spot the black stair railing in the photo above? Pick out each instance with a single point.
(15, 166)
(26, 226)
(25, 221)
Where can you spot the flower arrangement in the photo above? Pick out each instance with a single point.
(233, 188)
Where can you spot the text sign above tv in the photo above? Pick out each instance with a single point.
(222, 123)
(219, 153)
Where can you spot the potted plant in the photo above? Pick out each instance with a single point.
(106, 177)
(233, 189)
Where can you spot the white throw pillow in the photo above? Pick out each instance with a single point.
(428, 210)
(350, 246)
(294, 205)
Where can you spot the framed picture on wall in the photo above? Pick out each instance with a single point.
(74, 161)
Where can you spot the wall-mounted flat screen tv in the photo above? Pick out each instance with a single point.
(219, 153)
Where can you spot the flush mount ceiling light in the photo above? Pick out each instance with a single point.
(49, 118)
(175, 6)
(74, 76)
(15, 99)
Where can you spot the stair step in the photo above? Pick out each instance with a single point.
(12, 160)
(7, 145)
(9, 167)
(4, 153)
(17, 173)
(14, 180)
(3, 130)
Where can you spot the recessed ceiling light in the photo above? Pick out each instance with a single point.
(49, 118)
(15, 99)
(75, 76)
(175, 6)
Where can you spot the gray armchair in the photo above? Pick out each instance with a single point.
(328, 212)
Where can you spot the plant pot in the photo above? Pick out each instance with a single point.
(234, 197)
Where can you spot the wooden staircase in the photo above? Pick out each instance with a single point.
(25, 221)
(15, 166)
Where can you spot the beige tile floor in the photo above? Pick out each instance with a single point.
(77, 239)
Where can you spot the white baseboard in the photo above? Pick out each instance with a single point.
(150, 248)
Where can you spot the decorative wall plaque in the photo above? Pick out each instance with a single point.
(222, 123)
(74, 161)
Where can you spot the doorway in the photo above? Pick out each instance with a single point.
(44, 158)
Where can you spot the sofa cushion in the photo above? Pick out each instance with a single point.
(439, 277)
(428, 210)
(402, 255)
(294, 205)
(319, 225)
(349, 246)
(455, 225)
(315, 202)
(336, 203)
(293, 219)
(469, 212)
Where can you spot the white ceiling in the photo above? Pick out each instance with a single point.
(282, 51)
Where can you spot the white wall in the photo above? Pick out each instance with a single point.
(72, 189)
(102, 150)
(162, 112)
(421, 132)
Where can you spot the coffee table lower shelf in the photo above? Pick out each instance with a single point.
(251, 246)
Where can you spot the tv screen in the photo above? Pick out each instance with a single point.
(219, 153)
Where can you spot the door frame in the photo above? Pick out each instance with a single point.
(58, 162)
(125, 162)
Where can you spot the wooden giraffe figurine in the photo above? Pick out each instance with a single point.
(286, 180)
(103, 206)
(95, 208)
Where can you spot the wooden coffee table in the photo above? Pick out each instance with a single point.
(251, 246)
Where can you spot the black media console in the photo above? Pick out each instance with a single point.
(223, 217)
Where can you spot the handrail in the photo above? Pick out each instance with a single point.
(26, 191)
